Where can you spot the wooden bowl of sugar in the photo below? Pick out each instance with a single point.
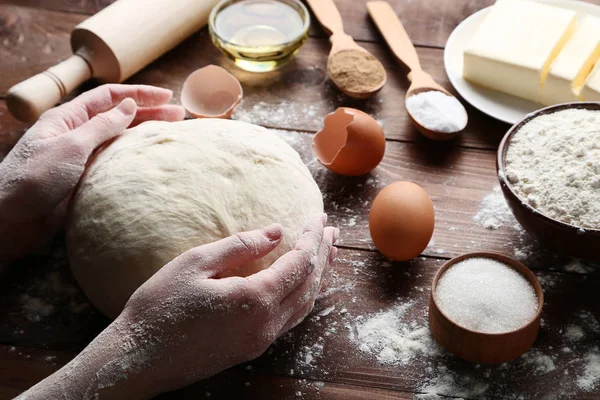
(485, 307)
(549, 170)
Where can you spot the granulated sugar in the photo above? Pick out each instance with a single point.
(437, 111)
(553, 163)
(486, 295)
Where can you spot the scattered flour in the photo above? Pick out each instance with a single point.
(391, 339)
(326, 311)
(586, 325)
(553, 162)
(547, 281)
(494, 212)
(541, 363)
(36, 308)
(281, 114)
(308, 355)
(590, 377)
(574, 333)
(53, 289)
(580, 266)
(446, 382)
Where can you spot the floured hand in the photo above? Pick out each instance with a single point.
(41, 171)
(185, 323)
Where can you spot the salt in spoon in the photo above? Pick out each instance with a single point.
(397, 39)
(329, 17)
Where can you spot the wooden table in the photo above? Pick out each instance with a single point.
(45, 319)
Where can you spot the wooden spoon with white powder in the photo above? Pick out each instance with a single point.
(435, 112)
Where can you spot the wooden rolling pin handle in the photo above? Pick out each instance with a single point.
(27, 100)
(328, 15)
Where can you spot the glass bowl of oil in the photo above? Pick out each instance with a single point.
(259, 35)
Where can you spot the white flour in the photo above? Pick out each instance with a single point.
(553, 162)
(283, 113)
(391, 338)
(494, 212)
(590, 378)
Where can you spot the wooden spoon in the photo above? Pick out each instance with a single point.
(329, 17)
(397, 39)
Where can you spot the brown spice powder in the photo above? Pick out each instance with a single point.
(356, 71)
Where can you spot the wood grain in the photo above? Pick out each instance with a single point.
(457, 180)
(358, 286)
(300, 95)
(428, 22)
(48, 318)
(31, 41)
(71, 6)
(296, 97)
(22, 367)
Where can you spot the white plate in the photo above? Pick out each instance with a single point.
(501, 106)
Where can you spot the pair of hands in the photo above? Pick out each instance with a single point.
(184, 323)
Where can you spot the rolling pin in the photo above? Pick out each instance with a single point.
(111, 46)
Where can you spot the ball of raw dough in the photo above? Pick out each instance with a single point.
(162, 188)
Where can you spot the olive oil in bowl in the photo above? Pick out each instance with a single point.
(259, 35)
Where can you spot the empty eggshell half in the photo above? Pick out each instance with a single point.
(351, 142)
(211, 92)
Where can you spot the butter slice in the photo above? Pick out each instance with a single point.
(513, 48)
(573, 64)
(591, 90)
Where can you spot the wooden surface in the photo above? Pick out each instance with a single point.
(319, 359)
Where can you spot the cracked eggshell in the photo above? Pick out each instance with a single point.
(211, 92)
(351, 142)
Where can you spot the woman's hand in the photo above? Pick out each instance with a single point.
(185, 324)
(39, 174)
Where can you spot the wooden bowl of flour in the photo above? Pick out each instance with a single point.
(576, 241)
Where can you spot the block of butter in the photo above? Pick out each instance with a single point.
(573, 64)
(513, 48)
(591, 90)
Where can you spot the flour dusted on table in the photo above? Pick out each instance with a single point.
(553, 162)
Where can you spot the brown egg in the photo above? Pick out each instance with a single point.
(401, 221)
(211, 92)
(351, 143)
